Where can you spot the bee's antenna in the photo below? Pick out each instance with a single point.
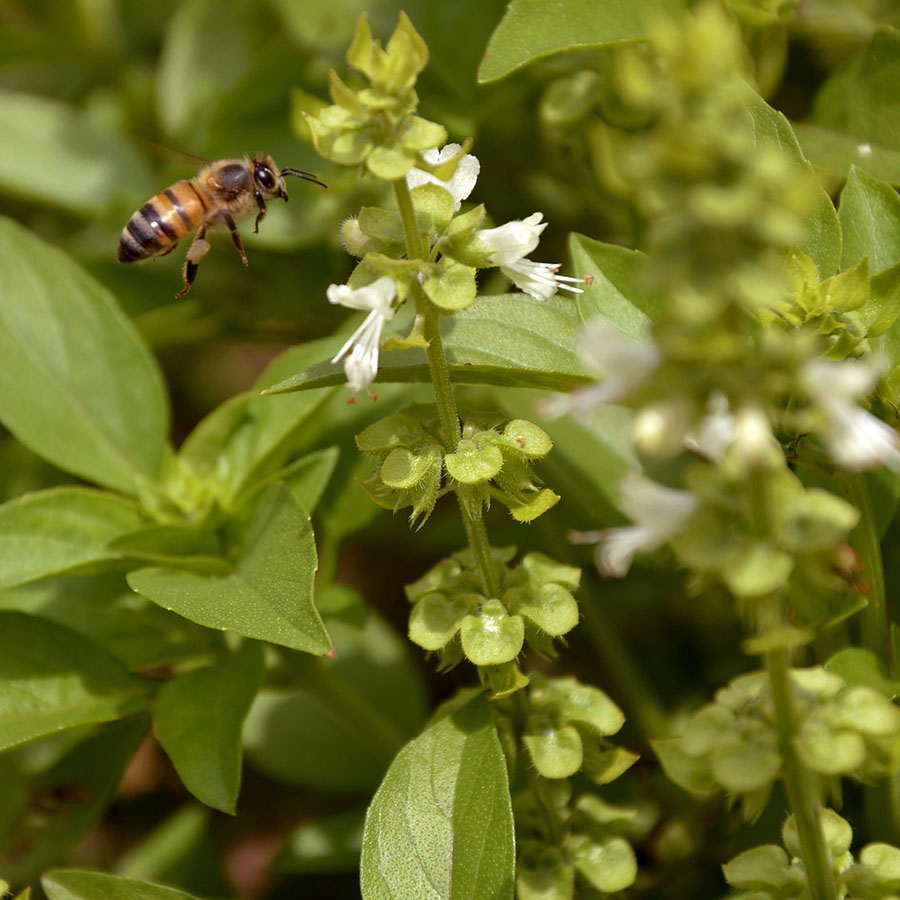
(307, 176)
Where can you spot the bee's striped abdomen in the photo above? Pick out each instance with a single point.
(159, 224)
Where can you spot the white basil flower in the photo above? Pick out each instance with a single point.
(658, 513)
(361, 350)
(461, 183)
(511, 243)
(855, 439)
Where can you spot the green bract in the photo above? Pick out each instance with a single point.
(452, 616)
(487, 464)
(375, 125)
(842, 730)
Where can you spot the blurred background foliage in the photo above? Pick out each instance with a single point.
(100, 103)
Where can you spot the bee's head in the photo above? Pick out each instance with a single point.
(267, 178)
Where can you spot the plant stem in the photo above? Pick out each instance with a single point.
(800, 782)
(443, 388)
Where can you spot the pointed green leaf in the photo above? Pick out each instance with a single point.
(834, 153)
(60, 530)
(268, 596)
(823, 238)
(859, 102)
(533, 29)
(198, 718)
(77, 384)
(250, 437)
(509, 340)
(79, 884)
(52, 678)
(440, 826)
(870, 222)
(615, 290)
(858, 666)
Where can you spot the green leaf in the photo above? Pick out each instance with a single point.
(198, 718)
(306, 478)
(77, 384)
(249, 438)
(533, 29)
(509, 340)
(870, 222)
(440, 826)
(56, 154)
(835, 153)
(60, 530)
(339, 728)
(268, 596)
(860, 101)
(823, 238)
(207, 46)
(328, 844)
(52, 679)
(84, 780)
(616, 292)
(858, 666)
(741, 766)
(78, 884)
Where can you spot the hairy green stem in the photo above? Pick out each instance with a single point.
(443, 387)
(800, 782)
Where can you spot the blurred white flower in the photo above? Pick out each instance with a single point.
(511, 243)
(361, 350)
(855, 439)
(619, 363)
(658, 513)
(713, 434)
(460, 184)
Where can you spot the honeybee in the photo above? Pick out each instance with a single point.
(221, 192)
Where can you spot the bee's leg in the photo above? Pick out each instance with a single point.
(167, 252)
(198, 249)
(261, 203)
(236, 237)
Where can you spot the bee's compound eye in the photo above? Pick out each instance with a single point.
(264, 177)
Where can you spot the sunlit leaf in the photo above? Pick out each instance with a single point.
(79, 884)
(268, 596)
(198, 718)
(441, 826)
(52, 679)
(77, 384)
(533, 29)
(60, 530)
(508, 339)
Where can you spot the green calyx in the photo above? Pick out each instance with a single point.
(451, 615)
(567, 728)
(488, 463)
(771, 872)
(732, 744)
